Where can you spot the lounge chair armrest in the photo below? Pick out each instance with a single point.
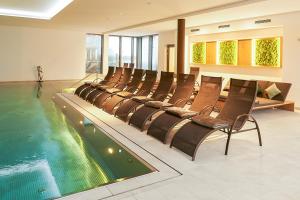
(240, 117)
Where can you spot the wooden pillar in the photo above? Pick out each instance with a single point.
(180, 45)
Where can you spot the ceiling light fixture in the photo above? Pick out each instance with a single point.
(49, 14)
(195, 30)
(224, 26)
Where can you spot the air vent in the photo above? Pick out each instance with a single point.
(224, 26)
(263, 21)
(195, 30)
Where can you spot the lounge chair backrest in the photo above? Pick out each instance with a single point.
(184, 88)
(195, 71)
(125, 78)
(208, 94)
(131, 65)
(109, 75)
(125, 65)
(164, 86)
(240, 101)
(135, 81)
(148, 83)
(116, 77)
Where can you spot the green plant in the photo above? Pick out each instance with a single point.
(228, 52)
(199, 53)
(267, 52)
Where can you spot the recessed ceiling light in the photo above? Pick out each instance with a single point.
(263, 21)
(55, 8)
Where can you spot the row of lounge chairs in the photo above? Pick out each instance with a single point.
(121, 93)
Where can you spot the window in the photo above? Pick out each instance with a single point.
(113, 51)
(145, 53)
(155, 52)
(126, 50)
(142, 51)
(94, 53)
(134, 53)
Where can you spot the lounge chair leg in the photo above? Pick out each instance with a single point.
(258, 131)
(227, 143)
(259, 135)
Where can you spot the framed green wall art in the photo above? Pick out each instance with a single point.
(267, 52)
(260, 52)
(228, 52)
(199, 53)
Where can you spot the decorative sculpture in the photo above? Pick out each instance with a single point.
(40, 73)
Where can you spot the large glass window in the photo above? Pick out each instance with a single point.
(142, 51)
(134, 53)
(94, 53)
(145, 53)
(155, 52)
(126, 50)
(113, 51)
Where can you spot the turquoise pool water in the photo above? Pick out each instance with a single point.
(49, 150)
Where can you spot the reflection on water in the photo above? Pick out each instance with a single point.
(45, 154)
(38, 88)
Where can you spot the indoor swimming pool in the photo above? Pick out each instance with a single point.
(49, 150)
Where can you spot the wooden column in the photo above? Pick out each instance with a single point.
(180, 45)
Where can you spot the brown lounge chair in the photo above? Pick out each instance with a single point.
(204, 102)
(164, 86)
(106, 79)
(104, 90)
(130, 87)
(236, 112)
(183, 91)
(150, 78)
(89, 96)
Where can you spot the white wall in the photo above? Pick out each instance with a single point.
(291, 54)
(60, 53)
(165, 38)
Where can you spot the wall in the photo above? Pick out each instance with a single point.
(165, 38)
(268, 73)
(60, 53)
(291, 51)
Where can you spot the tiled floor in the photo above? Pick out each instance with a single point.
(271, 172)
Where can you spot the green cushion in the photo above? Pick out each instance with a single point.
(272, 91)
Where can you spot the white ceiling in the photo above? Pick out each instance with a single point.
(141, 17)
(40, 9)
(247, 11)
(104, 15)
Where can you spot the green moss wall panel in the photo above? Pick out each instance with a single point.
(228, 51)
(199, 53)
(267, 52)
